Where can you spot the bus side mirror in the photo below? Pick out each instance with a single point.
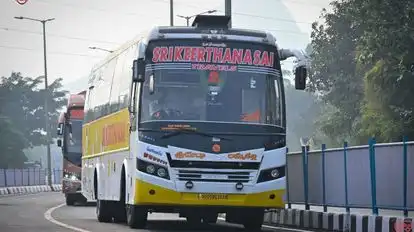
(59, 143)
(138, 70)
(300, 77)
(60, 129)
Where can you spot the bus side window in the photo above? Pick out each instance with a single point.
(126, 77)
(116, 83)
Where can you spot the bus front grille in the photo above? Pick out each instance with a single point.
(215, 176)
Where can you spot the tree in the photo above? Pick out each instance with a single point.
(22, 109)
(361, 64)
(11, 142)
(334, 74)
(386, 52)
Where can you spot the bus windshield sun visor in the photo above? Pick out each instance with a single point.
(184, 130)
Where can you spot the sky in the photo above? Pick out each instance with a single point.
(81, 24)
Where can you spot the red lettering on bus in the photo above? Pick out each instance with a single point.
(113, 134)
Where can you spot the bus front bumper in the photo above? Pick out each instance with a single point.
(71, 186)
(147, 194)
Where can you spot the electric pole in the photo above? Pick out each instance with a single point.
(49, 156)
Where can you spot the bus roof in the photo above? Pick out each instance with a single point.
(161, 31)
(76, 100)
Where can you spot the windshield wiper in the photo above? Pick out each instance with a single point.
(184, 130)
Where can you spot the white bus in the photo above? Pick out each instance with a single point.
(188, 120)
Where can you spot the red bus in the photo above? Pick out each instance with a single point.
(70, 140)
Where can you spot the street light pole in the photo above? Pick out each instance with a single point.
(49, 156)
(187, 18)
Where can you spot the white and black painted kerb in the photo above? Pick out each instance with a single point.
(29, 189)
(305, 219)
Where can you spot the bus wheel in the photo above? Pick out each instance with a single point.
(136, 217)
(70, 200)
(103, 211)
(120, 206)
(193, 219)
(120, 214)
(210, 218)
(254, 222)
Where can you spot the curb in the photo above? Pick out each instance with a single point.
(305, 219)
(5, 191)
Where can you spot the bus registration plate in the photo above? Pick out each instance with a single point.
(213, 196)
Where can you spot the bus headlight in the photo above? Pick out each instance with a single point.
(274, 173)
(150, 169)
(71, 176)
(271, 174)
(153, 169)
(161, 172)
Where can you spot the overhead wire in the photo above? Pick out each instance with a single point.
(56, 35)
(167, 2)
(52, 52)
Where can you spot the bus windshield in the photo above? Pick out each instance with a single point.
(205, 88)
(74, 137)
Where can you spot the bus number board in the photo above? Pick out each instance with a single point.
(213, 196)
(76, 114)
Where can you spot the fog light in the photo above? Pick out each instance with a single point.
(150, 169)
(274, 173)
(189, 185)
(239, 186)
(161, 172)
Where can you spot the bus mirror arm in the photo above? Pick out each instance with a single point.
(133, 107)
(301, 65)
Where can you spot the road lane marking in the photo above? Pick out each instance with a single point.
(48, 216)
(274, 227)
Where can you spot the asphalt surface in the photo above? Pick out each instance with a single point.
(44, 211)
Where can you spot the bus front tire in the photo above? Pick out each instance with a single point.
(194, 219)
(254, 222)
(136, 217)
(103, 211)
(70, 200)
(210, 218)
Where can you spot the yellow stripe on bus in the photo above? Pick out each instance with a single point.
(164, 196)
(106, 135)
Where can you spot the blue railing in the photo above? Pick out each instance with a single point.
(324, 184)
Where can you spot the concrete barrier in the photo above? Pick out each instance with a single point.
(3, 191)
(304, 219)
(29, 189)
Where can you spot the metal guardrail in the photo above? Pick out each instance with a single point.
(27, 177)
(374, 176)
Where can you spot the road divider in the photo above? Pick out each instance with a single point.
(306, 219)
(5, 191)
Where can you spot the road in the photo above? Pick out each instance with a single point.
(42, 212)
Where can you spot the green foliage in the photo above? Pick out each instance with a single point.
(360, 66)
(10, 144)
(22, 115)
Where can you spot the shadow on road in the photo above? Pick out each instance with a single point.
(170, 225)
